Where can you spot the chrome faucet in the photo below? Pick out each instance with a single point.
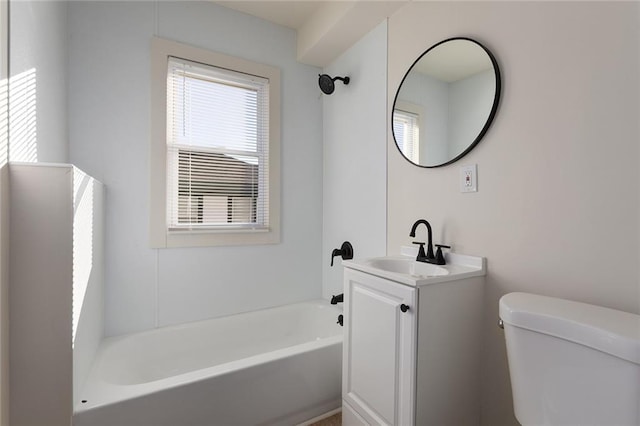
(428, 257)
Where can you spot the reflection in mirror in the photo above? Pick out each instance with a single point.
(446, 102)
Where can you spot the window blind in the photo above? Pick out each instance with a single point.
(407, 133)
(217, 148)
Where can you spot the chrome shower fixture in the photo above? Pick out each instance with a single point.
(326, 83)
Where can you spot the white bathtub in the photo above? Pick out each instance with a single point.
(275, 366)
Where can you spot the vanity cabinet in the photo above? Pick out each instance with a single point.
(379, 348)
(411, 352)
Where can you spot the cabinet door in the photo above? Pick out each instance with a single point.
(379, 349)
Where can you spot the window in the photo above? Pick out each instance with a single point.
(215, 149)
(407, 133)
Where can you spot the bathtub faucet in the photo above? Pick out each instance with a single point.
(337, 299)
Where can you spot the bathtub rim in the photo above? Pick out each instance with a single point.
(100, 393)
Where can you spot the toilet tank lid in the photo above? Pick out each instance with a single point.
(608, 330)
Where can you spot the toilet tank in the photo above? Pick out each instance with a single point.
(571, 363)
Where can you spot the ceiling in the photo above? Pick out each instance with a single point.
(325, 28)
(454, 60)
(290, 14)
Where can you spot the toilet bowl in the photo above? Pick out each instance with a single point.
(571, 363)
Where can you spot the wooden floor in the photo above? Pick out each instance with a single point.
(335, 420)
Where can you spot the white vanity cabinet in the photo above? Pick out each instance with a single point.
(379, 348)
(411, 347)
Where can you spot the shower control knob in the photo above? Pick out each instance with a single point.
(404, 308)
(345, 252)
(340, 320)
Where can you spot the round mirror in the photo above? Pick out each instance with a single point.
(446, 102)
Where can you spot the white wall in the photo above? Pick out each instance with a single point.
(109, 138)
(56, 280)
(4, 295)
(354, 160)
(41, 276)
(4, 214)
(88, 276)
(557, 212)
(33, 87)
(38, 81)
(470, 105)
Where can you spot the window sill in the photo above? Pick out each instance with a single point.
(213, 238)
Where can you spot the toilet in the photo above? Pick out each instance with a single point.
(571, 363)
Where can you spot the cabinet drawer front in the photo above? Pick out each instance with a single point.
(379, 348)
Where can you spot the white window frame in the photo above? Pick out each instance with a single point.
(160, 235)
(407, 108)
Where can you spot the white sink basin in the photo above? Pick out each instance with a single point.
(407, 266)
(406, 270)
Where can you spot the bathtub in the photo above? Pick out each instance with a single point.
(278, 366)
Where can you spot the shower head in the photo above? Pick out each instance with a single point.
(327, 85)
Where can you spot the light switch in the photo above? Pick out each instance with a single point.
(469, 178)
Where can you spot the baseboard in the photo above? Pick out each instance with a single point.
(321, 417)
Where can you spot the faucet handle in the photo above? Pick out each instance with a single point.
(439, 256)
(421, 253)
(345, 251)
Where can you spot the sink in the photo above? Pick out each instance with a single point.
(407, 266)
(405, 269)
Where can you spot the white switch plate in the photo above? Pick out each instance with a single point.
(469, 178)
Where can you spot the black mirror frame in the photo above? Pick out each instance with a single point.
(494, 108)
